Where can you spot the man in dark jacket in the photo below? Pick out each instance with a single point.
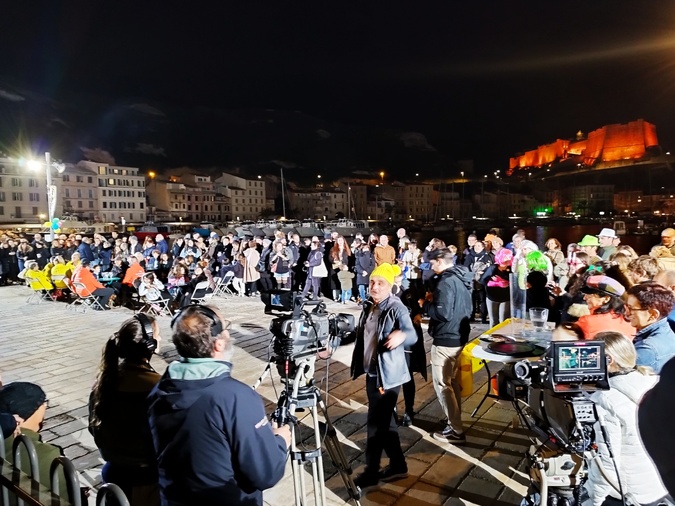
(449, 309)
(384, 331)
(213, 441)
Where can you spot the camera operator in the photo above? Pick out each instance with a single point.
(383, 332)
(618, 406)
(213, 441)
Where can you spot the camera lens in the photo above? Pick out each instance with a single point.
(522, 370)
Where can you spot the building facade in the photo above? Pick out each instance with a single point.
(23, 192)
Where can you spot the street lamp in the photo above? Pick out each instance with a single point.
(382, 176)
(51, 188)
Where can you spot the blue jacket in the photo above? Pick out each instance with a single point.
(162, 246)
(213, 442)
(655, 345)
(392, 368)
(85, 251)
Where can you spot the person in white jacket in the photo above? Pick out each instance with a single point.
(617, 408)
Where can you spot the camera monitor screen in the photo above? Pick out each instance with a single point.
(575, 358)
(580, 362)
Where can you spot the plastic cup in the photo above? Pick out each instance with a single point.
(538, 317)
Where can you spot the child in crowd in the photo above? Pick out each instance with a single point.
(238, 269)
(345, 277)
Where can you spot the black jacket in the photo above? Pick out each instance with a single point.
(451, 308)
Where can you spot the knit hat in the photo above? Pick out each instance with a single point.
(21, 398)
(589, 240)
(387, 272)
(604, 285)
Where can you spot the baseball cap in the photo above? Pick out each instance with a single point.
(604, 285)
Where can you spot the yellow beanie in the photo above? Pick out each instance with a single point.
(386, 271)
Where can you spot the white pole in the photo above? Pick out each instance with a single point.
(51, 196)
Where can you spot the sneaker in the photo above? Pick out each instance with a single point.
(407, 420)
(366, 480)
(390, 474)
(448, 435)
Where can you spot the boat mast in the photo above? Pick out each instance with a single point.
(283, 198)
(349, 202)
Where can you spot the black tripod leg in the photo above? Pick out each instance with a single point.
(336, 453)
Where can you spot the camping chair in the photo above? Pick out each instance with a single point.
(84, 302)
(41, 291)
(157, 307)
(223, 287)
(202, 286)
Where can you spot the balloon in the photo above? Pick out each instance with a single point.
(47, 224)
(60, 224)
(55, 220)
(55, 226)
(58, 230)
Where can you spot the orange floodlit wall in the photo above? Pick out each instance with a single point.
(609, 143)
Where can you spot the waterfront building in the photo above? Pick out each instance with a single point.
(80, 191)
(246, 193)
(322, 203)
(121, 192)
(23, 192)
(412, 201)
(182, 194)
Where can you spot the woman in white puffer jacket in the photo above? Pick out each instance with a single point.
(618, 406)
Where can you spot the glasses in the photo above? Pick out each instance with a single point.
(631, 309)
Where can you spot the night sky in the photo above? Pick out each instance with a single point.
(480, 79)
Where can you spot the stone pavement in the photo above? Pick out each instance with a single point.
(60, 350)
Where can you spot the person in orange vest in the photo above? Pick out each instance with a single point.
(91, 286)
(134, 271)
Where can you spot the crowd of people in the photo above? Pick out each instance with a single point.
(595, 289)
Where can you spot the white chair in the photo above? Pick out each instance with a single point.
(84, 302)
(224, 287)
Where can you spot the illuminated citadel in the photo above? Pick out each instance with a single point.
(608, 145)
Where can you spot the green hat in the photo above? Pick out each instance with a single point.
(589, 240)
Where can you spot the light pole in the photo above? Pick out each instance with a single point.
(51, 188)
(382, 176)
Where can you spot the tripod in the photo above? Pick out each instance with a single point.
(307, 395)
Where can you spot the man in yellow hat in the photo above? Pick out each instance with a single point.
(383, 332)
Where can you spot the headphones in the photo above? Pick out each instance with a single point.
(148, 342)
(216, 324)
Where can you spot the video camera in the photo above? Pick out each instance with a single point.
(558, 409)
(304, 333)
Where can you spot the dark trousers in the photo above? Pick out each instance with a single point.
(382, 427)
(103, 295)
(314, 284)
(265, 282)
(479, 304)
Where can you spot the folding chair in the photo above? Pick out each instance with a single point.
(202, 286)
(223, 287)
(158, 307)
(83, 303)
(40, 291)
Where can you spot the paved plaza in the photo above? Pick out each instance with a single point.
(60, 350)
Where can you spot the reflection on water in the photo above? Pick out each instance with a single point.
(539, 234)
